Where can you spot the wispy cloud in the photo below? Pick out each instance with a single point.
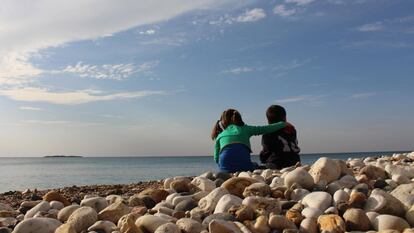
(300, 2)
(294, 64)
(371, 27)
(313, 100)
(148, 32)
(111, 116)
(31, 94)
(251, 15)
(239, 70)
(30, 108)
(283, 11)
(364, 95)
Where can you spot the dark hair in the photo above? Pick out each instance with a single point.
(275, 113)
(228, 117)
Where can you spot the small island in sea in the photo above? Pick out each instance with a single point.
(62, 156)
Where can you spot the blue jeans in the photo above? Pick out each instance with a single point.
(234, 158)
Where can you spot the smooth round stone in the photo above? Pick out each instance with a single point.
(55, 196)
(380, 184)
(180, 186)
(280, 222)
(371, 216)
(57, 205)
(157, 195)
(298, 194)
(223, 175)
(332, 187)
(318, 200)
(97, 203)
(373, 173)
(405, 193)
(220, 216)
(42, 206)
(114, 212)
(242, 212)
(400, 179)
(348, 181)
(82, 218)
(299, 176)
(356, 220)
(218, 182)
(179, 199)
(259, 225)
(362, 188)
(105, 226)
(409, 216)
(325, 169)
(357, 199)
(209, 202)
(113, 198)
(309, 225)
(340, 196)
(185, 205)
(309, 212)
(188, 225)
(221, 226)
(203, 184)
(226, 202)
(277, 182)
(236, 185)
(393, 206)
(375, 203)
(331, 223)
(168, 228)
(37, 225)
(331, 210)
(150, 223)
(257, 189)
(390, 222)
(209, 175)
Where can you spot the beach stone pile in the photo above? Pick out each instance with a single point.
(374, 194)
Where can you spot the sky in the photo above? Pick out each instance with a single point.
(151, 77)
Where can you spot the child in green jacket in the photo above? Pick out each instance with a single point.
(232, 141)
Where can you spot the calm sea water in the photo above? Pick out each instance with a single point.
(44, 173)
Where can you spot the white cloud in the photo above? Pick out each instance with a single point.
(251, 15)
(31, 94)
(294, 64)
(281, 10)
(300, 2)
(239, 70)
(371, 27)
(27, 27)
(109, 71)
(148, 32)
(30, 108)
(313, 100)
(363, 95)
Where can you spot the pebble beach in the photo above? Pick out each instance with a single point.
(372, 194)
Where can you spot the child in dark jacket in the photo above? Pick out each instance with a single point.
(280, 148)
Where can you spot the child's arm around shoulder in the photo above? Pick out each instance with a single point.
(258, 130)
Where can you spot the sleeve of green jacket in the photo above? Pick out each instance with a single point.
(216, 151)
(259, 130)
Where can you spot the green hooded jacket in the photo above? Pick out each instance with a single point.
(242, 134)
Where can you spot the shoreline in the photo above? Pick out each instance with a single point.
(371, 194)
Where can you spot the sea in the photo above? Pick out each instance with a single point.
(21, 173)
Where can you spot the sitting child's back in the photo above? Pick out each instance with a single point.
(280, 148)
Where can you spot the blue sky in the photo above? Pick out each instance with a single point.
(105, 78)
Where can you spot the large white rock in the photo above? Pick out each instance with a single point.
(325, 169)
(226, 202)
(310, 212)
(340, 196)
(301, 177)
(203, 184)
(42, 206)
(405, 193)
(390, 222)
(209, 202)
(37, 225)
(318, 200)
